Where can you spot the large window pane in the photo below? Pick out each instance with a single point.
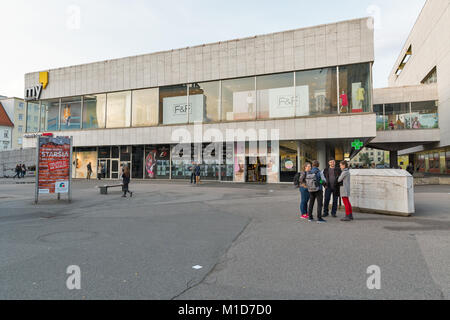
(381, 121)
(354, 88)
(316, 92)
(118, 109)
(425, 115)
(238, 99)
(70, 113)
(94, 111)
(275, 96)
(33, 114)
(397, 116)
(173, 105)
(145, 107)
(204, 101)
(50, 115)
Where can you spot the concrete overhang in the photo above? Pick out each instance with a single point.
(404, 139)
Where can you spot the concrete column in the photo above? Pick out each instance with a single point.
(393, 158)
(322, 155)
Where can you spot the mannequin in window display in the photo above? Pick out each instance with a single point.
(67, 115)
(344, 102)
(358, 97)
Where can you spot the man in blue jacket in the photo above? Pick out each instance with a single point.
(315, 181)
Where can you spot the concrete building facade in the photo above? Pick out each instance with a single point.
(15, 107)
(304, 94)
(418, 97)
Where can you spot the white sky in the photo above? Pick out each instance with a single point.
(46, 34)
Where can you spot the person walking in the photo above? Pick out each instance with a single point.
(304, 193)
(126, 181)
(18, 172)
(89, 171)
(344, 180)
(24, 170)
(314, 181)
(331, 175)
(197, 173)
(99, 172)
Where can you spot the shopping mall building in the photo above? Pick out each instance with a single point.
(249, 110)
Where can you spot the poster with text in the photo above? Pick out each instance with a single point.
(54, 165)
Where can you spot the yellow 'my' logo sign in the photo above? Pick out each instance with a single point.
(43, 79)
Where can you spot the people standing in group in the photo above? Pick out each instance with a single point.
(126, 181)
(314, 182)
(192, 168)
(331, 175)
(304, 193)
(89, 171)
(344, 180)
(197, 173)
(24, 170)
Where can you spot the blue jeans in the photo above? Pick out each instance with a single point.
(328, 193)
(304, 202)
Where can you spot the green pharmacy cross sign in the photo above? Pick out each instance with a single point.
(357, 144)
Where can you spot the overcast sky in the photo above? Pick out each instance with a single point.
(45, 34)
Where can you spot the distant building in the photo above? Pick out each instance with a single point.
(6, 129)
(413, 113)
(15, 108)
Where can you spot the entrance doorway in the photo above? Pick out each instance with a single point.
(105, 164)
(115, 168)
(256, 170)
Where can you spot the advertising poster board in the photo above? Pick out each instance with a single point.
(53, 169)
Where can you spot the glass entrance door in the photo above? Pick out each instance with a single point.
(104, 168)
(115, 168)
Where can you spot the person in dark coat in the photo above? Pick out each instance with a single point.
(331, 174)
(126, 181)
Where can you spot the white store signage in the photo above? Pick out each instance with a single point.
(178, 111)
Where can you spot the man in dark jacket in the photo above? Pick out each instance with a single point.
(331, 174)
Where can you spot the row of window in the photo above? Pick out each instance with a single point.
(345, 89)
(410, 115)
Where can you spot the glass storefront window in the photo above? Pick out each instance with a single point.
(275, 96)
(354, 88)
(50, 115)
(70, 114)
(173, 107)
(157, 162)
(227, 165)
(447, 160)
(425, 115)
(94, 108)
(238, 99)
(145, 107)
(397, 116)
(118, 110)
(316, 92)
(288, 161)
(204, 102)
(33, 114)
(83, 157)
(381, 120)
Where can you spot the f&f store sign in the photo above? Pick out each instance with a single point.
(34, 93)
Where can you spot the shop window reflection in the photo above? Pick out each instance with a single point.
(275, 96)
(238, 99)
(70, 114)
(354, 88)
(94, 111)
(316, 92)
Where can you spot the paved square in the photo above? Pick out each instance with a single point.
(215, 241)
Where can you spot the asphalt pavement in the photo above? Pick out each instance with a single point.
(215, 241)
